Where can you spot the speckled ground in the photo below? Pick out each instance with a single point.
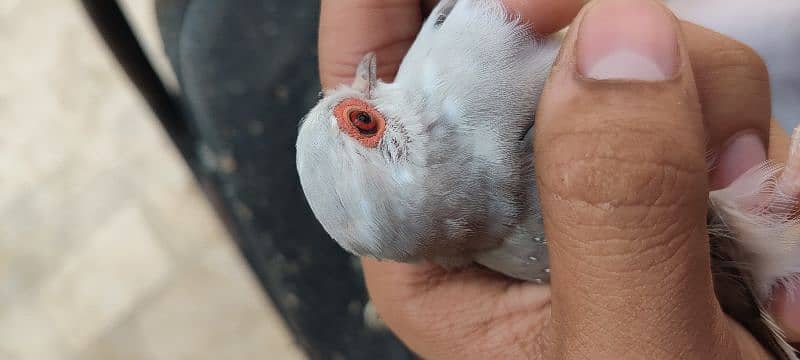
(108, 250)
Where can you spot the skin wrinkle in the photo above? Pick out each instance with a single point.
(432, 320)
(590, 349)
(585, 170)
(646, 183)
(624, 119)
(626, 136)
(611, 243)
(721, 80)
(620, 326)
(649, 301)
(433, 324)
(653, 346)
(592, 228)
(656, 223)
(398, 20)
(577, 168)
(749, 67)
(602, 272)
(343, 71)
(490, 328)
(740, 110)
(387, 46)
(742, 59)
(666, 317)
(659, 197)
(532, 346)
(610, 192)
(636, 118)
(723, 72)
(681, 167)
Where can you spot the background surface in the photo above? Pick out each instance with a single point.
(108, 250)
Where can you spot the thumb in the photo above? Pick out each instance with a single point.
(620, 146)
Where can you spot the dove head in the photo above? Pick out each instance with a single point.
(354, 166)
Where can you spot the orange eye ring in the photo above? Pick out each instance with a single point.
(361, 121)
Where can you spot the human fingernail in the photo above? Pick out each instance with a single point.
(741, 153)
(627, 39)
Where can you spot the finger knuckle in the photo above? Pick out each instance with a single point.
(629, 190)
(621, 167)
(740, 61)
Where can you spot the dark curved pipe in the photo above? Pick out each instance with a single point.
(111, 23)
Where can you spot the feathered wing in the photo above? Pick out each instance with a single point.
(762, 220)
(736, 290)
(478, 72)
(755, 222)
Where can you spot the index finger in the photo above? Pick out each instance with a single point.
(348, 29)
(351, 28)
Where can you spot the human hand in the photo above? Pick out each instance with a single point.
(474, 313)
(351, 28)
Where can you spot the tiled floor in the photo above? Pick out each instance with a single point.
(108, 250)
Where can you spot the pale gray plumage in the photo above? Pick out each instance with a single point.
(431, 190)
(451, 179)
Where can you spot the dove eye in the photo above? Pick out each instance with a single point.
(361, 121)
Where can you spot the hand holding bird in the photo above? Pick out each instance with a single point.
(484, 294)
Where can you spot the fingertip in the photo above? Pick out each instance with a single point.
(547, 16)
(786, 309)
(743, 152)
(348, 29)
